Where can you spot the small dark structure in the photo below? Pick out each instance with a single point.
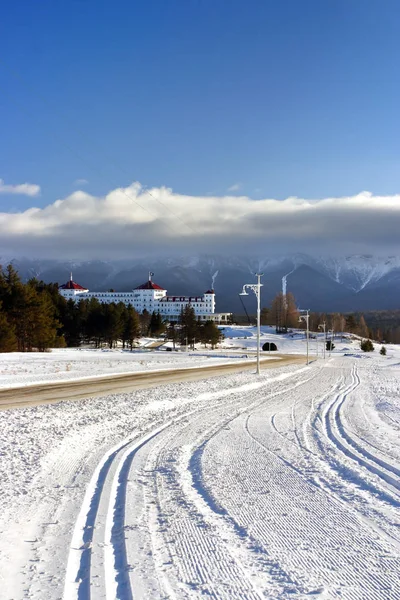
(269, 347)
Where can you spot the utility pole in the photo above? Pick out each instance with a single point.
(323, 326)
(256, 288)
(306, 318)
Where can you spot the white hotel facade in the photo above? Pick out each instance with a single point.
(151, 297)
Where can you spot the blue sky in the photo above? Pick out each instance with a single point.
(276, 99)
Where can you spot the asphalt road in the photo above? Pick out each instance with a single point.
(46, 393)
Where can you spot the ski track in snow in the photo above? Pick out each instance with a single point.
(285, 486)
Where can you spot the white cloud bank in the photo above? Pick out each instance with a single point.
(23, 189)
(131, 222)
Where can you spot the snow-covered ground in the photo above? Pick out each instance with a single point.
(68, 364)
(245, 338)
(285, 485)
(71, 364)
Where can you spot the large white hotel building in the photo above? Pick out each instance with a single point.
(151, 297)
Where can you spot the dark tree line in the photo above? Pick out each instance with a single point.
(189, 330)
(34, 316)
(29, 318)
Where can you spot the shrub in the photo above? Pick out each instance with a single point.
(383, 351)
(367, 346)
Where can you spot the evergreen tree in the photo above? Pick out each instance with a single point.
(367, 346)
(189, 325)
(131, 330)
(145, 322)
(8, 340)
(44, 324)
(72, 323)
(156, 325)
(32, 315)
(94, 322)
(330, 345)
(210, 334)
(383, 351)
(112, 323)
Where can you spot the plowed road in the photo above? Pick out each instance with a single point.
(45, 393)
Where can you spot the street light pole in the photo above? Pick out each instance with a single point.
(306, 318)
(323, 326)
(256, 288)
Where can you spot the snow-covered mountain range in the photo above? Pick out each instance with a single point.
(349, 283)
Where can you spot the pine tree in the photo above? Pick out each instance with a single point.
(8, 340)
(145, 322)
(367, 346)
(94, 321)
(72, 323)
(210, 334)
(112, 323)
(45, 325)
(189, 325)
(131, 329)
(156, 325)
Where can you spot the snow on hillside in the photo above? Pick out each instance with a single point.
(285, 485)
(357, 271)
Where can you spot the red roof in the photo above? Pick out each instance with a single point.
(71, 285)
(149, 285)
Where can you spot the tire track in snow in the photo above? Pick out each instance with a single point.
(210, 555)
(279, 581)
(318, 532)
(78, 578)
(103, 565)
(364, 446)
(342, 440)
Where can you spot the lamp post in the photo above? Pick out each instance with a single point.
(256, 288)
(323, 326)
(306, 318)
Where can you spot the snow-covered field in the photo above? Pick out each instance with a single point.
(68, 364)
(18, 369)
(285, 485)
